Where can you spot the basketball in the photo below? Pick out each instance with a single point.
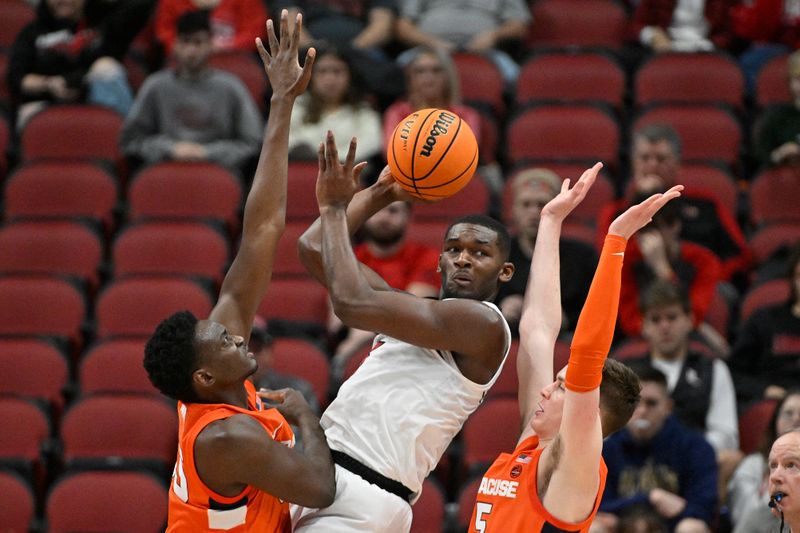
(433, 154)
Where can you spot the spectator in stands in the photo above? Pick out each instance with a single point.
(531, 189)
(658, 254)
(334, 102)
(673, 26)
(784, 478)
(477, 27)
(193, 112)
(404, 264)
(72, 54)
(747, 491)
(766, 355)
(657, 463)
(771, 26)
(656, 164)
(431, 82)
(235, 24)
(265, 377)
(701, 388)
(777, 137)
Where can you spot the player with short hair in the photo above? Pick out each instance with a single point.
(555, 477)
(235, 466)
(432, 361)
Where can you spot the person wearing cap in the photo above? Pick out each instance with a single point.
(777, 137)
(784, 479)
(531, 189)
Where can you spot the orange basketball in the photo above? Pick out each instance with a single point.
(433, 154)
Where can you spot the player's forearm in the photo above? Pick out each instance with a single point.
(315, 449)
(542, 311)
(595, 329)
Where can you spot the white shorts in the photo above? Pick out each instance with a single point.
(359, 506)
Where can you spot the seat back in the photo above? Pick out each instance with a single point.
(33, 368)
(302, 359)
(583, 23)
(115, 366)
(17, 510)
(771, 84)
(492, 429)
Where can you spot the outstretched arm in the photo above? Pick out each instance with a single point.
(575, 481)
(482, 335)
(265, 209)
(541, 315)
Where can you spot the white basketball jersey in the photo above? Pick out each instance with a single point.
(402, 407)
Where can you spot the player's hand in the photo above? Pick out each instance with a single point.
(639, 215)
(337, 182)
(568, 199)
(386, 184)
(288, 402)
(285, 74)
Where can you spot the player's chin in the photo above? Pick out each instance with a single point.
(453, 290)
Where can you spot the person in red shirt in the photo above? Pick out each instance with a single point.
(235, 468)
(555, 477)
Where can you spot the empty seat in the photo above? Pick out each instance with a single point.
(428, 516)
(680, 78)
(135, 306)
(571, 78)
(492, 429)
(772, 239)
(708, 133)
(25, 429)
(64, 189)
(301, 191)
(584, 23)
(287, 261)
(17, 510)
(177, 190)
(72, 132)
(171, 248)
(244, 66)
(120, 430)
(507, 384)
(41, 306)
(301, 301)
(15, 14)
(771, 84)
(302, 359)
(58, 248)
(115, 366)
(466, 501)
(472, 199)
(753, 424)
(699, 178)
(770, 293)
(550, 133)
(773, 196)
(99, 502)
(33, 368)
(480, 80)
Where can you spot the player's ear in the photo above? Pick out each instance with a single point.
(203, 378)
(506, 272)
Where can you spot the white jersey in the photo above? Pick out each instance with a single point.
(398, 412)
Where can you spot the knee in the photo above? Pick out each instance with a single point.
(692, 525)
(105, 68)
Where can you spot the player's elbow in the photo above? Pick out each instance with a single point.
(320, 494)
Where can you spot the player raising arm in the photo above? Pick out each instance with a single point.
(235, 466)
(555, 476)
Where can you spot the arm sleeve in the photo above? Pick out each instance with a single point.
(722, 425)
(746, 356)
(140, 135)
(699, 480)
(234, 152)
(595, 329)
(21, 61)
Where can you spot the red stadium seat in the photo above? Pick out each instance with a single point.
(698, 177)
(41, 306)
(472, 199)
(115, 366)
(15, 14)
(772, 86)
(708, 133)
(296, 300)
(466, 502)
(33, 368)
(171, 248)
(302, 359)
(114, 430)
(480, 81)
(135, 306)
(355, 361)
(553, 133)
(84, 132)
(177, 190)
(58, 248)
(244, 66)
(301, 192)
(665, 79)
(17, 510)
(287, 261)
(584, 23)
(571, 77)
(428, 516)
(97, 502)
(773, 196)
(753, 424)
(492, 429)
(47, 189)
(770, 293)
(25, 429)
(507, 384)
(767, 241)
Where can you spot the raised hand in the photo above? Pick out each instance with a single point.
(639, 215)
(285, 74)
(336, 182)
(568, 199)
(290, 403)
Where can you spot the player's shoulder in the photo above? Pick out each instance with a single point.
(229, 432)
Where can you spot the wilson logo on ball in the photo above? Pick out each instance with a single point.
(439, 128)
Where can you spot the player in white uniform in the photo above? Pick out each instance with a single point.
(432, 361)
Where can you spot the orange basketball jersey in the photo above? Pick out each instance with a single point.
(508, 500)
(193, 507)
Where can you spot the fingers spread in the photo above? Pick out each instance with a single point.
(262, 52)
(284, 29)
(321, 157)
(298, 26)
(351, 154)
(273, 40)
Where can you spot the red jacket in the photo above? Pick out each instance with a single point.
(766, 21)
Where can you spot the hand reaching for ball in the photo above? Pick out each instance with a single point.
(337, 182)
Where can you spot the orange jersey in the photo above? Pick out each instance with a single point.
(508, 500)
(193, 507)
